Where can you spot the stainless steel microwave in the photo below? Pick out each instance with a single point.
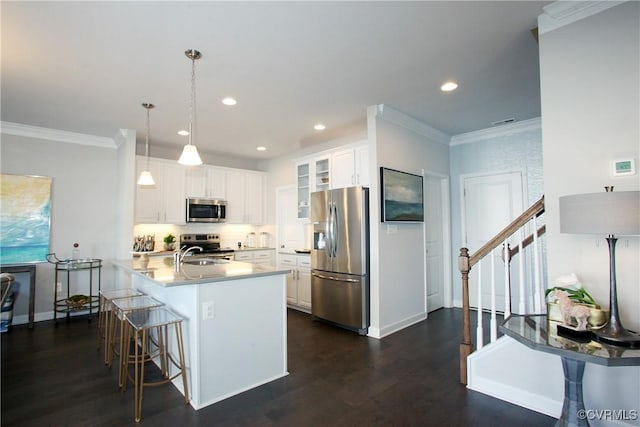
(206, 210)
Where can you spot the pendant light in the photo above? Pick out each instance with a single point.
(190, 155)
(145, 176)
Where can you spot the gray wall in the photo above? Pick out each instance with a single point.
(83, 209)
(515, 147)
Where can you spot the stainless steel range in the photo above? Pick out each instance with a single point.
(210, 244)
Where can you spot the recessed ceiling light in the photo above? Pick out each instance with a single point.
(261, 148)
(449, 86)
(183, 132)
(319, 126)
(229, 101)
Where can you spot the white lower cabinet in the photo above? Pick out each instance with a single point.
(259, 256)
(298, 280)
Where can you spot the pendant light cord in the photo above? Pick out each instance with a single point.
(192, 107)
(146, 145)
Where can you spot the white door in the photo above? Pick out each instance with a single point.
(434, 243)
(491, 202)
(290, 230)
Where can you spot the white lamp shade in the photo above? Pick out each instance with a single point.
(605, 213)
(190, 156)
(146, 178)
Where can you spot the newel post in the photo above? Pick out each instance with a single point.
(466, 348)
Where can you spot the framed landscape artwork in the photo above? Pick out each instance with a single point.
(25, 215)
(402, 196)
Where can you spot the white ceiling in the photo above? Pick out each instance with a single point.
(87, 67)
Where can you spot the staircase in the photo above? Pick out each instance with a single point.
(526, 231)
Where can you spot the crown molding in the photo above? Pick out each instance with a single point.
(396, 117)
(18, 129)
(561, 13)
(496, 132)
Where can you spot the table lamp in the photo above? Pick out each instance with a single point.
(610, 214)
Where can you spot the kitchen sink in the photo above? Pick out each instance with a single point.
(206, 261)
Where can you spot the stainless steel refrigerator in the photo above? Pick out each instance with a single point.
(340, 257)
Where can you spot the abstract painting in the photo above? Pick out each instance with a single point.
(25, 218)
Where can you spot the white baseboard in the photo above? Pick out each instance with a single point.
(395, 327)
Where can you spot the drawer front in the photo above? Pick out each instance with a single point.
(288, 260)
(262, 254)
(243, 256)
(304, 261)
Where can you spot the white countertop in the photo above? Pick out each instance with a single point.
(293, 252)
(247, 248)
(161, 270)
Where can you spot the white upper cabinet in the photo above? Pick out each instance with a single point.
(339, 168)
(163, 203)
(216, 183)
(207, 182)
(196, 182)
(343, 171)
(236, 185)
(254, 193)
(350, 166)
(245, 196)
(363, 177)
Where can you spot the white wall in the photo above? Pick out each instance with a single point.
(591, 116)
(398, 294)
(83, 208)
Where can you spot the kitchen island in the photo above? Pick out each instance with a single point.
(235, 328)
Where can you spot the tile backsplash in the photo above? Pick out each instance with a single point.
(230, 234)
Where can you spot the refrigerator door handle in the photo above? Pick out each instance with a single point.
(334, 242)
(329, 230)
(337, 279)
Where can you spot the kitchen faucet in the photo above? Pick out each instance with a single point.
(179, 255)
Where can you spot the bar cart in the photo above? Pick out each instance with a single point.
(91, 267)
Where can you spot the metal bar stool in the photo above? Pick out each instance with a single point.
(151, 328)
(121, 307)
(104, 305)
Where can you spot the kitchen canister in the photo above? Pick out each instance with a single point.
(264, 239)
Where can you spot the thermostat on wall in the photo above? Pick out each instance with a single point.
(624, 167)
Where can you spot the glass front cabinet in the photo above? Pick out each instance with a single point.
(311, 175)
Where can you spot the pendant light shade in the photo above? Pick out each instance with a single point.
(145, 176)
(190, 156)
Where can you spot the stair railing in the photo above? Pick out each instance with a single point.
(466, 261)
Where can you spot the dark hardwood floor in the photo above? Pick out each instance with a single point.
(53, 376)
